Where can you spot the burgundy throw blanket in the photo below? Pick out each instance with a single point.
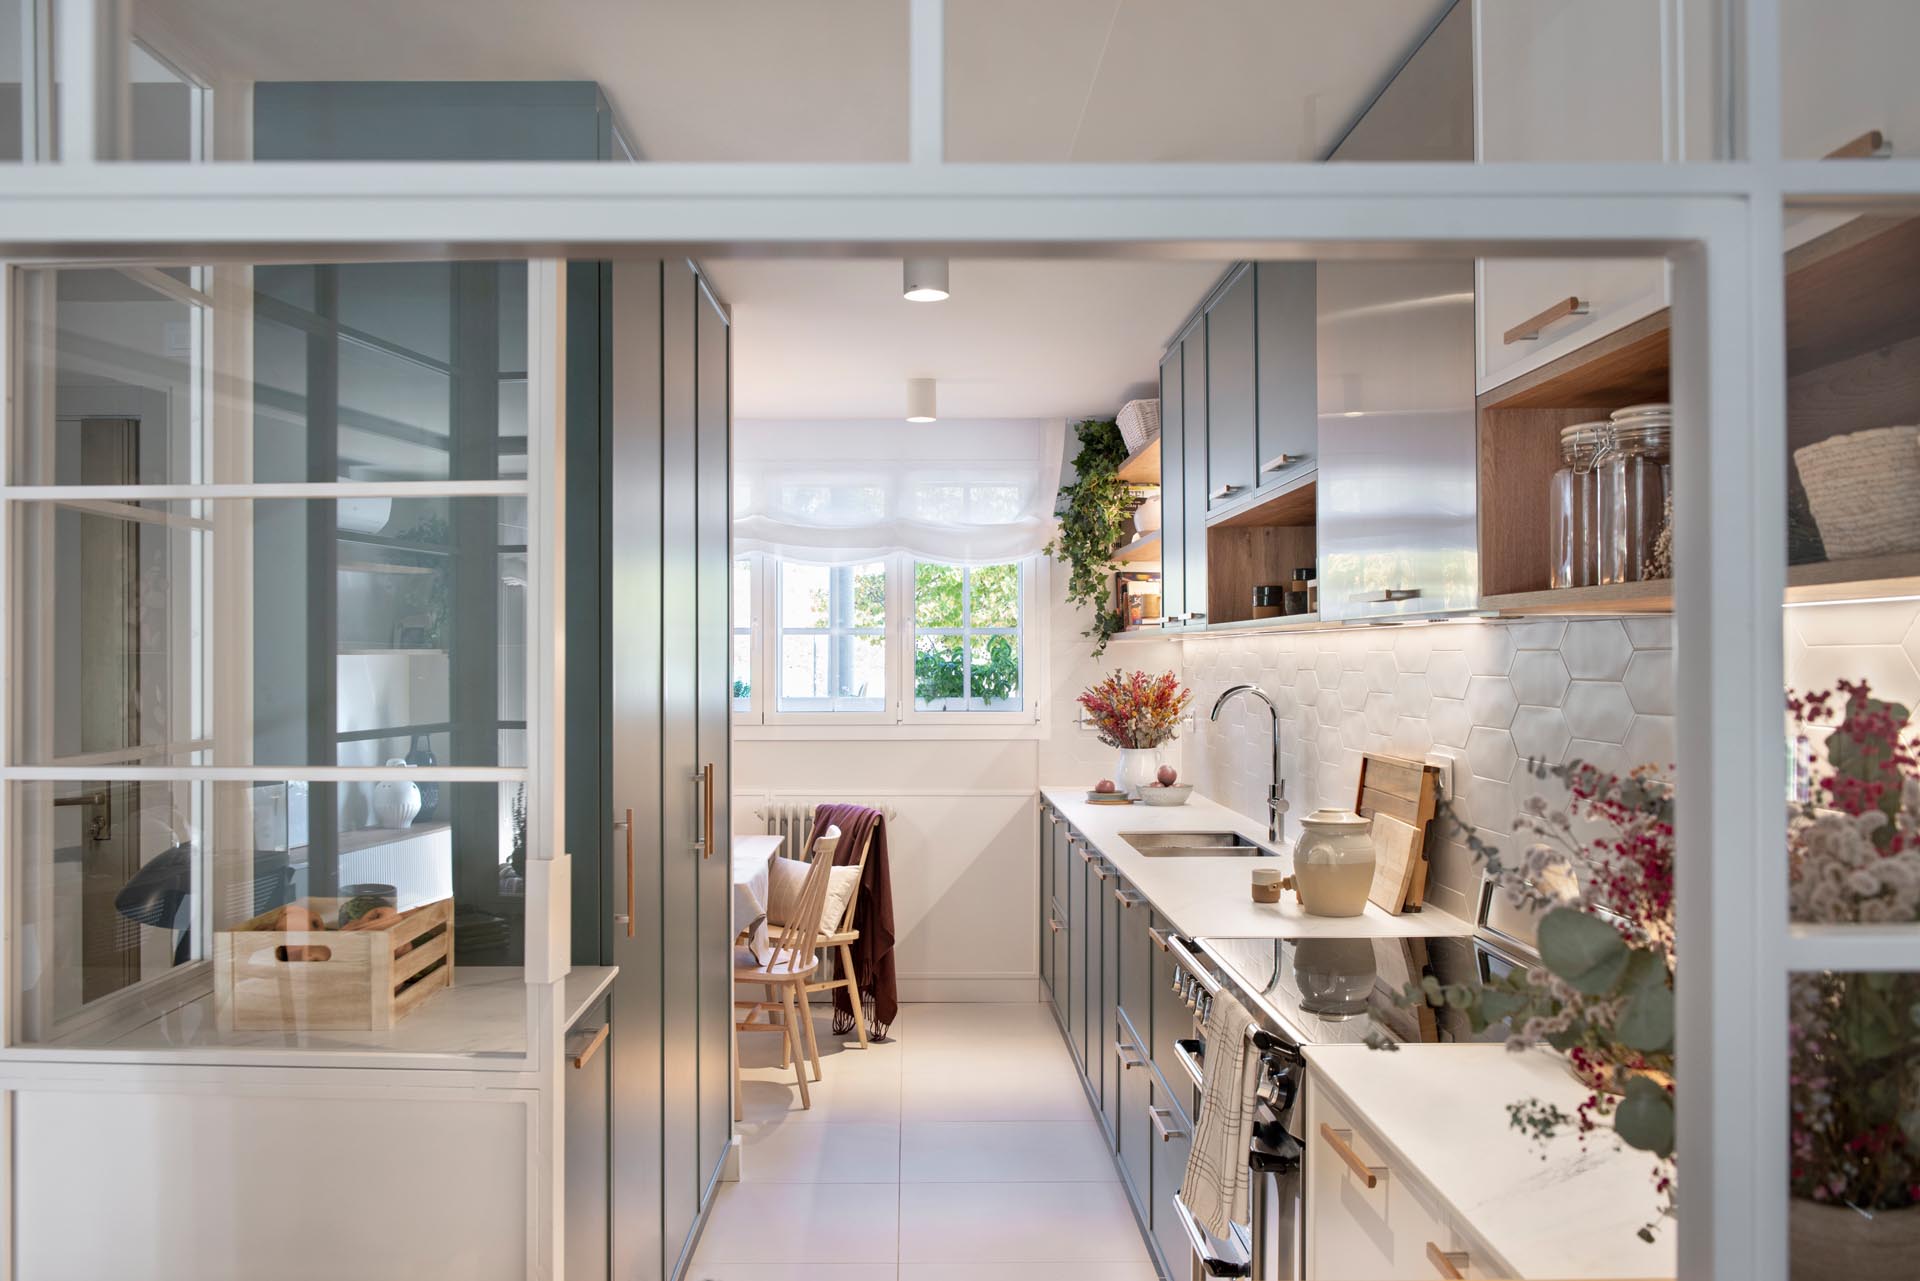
(872, 916)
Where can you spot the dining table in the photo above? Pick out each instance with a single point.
(753, 854)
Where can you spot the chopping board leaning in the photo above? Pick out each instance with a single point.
(1401, 797)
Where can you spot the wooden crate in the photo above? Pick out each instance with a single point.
(346, 981)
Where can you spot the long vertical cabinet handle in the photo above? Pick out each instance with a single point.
(706, 824)
(626, 918)
(703, 812)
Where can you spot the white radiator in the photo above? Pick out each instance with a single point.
(794, 821)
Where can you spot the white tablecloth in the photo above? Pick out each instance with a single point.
(751, 856)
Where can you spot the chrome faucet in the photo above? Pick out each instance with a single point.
(1277, 792)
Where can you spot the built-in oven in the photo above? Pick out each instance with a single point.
(1270, 1246)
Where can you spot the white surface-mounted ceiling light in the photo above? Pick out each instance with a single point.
(925, 280)
(920, 400)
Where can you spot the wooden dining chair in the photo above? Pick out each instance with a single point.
(844, 936)
(792, 958)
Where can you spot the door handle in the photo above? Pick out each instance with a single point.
(1125, 897)
(1166, 1132)
(1281, 461)
(592, 1047)
(703, 812)
(1529, 329)
(1388, 595)
(1159, 938)
(1222, 491)
(1369, 1175)
(626, 918)
(1447, 1262)
(1129, 1055)
(1054, 923)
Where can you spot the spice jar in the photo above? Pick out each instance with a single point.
(1268, 602)
(1573, 506)
(1636, 478)
(1299, 597)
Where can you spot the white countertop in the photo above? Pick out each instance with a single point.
(1549, 1210)
(1210, 897)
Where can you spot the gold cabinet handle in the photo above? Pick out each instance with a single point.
(593, 1047)
(1367, 1175)
(706, 825)
(1444, 1262)
(1159, 939)
(1054, 923)
(1530, 329)
(1871, 145)
(626, 918)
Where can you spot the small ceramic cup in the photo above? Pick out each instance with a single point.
(1266, 884)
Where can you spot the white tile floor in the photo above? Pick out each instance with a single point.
(964, 1150)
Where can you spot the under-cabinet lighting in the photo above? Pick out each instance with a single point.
(924, 280)
(1852, 600)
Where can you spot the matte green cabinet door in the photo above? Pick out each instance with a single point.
(1195, 429)
(1289, 412)
(1076, 931)
(1105, 1034)
(1231, 394)
(1173, 492)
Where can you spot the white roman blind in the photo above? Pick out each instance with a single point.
(840, 492)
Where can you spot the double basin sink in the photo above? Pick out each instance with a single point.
(1196, 845)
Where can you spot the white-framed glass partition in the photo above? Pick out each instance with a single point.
(271, 564)
(1725, 230)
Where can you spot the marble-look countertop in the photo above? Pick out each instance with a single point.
(483, 1014)
(1210, 897)
(1552, 1210)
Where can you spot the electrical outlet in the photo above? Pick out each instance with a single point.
(1443, 759)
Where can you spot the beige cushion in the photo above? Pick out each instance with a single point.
(785, 876)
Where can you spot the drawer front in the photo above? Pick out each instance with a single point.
(1173, 1019)
(1046, 898)
(1512, 294)
(1078, 979)
(1136, 965)
(1231, 466)
(1106, 1025)
(1395, 1229)
(1169, 1168)
(1133, 1132)
(1055, 950)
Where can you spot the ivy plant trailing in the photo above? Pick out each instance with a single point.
(1092, 522)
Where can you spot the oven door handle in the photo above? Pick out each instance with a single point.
(1212, 1264)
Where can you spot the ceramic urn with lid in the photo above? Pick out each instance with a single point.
(1333, 863)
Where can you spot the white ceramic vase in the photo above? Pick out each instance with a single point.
(1333, 863)
(1138, 767)
(396, 801)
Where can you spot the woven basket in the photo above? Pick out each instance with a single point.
(1139, 423)
(1864, 490)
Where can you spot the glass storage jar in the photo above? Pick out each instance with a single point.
(1636, 478)
(1573, 506)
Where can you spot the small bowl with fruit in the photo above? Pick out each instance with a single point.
(1108, 792)
(1166, 789)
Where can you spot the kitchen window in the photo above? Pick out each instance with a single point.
(746, 631)
(967, 647)
(833, 637)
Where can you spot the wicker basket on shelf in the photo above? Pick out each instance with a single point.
(1139, 423)
(1864, 491)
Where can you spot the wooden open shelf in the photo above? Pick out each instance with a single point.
(1144, 548)
(1259, 545)
(1142, 468)
(1853, 361)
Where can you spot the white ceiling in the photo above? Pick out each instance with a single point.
(1025, 339)
(825, 80)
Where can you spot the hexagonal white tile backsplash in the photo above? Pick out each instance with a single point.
(1490, 695)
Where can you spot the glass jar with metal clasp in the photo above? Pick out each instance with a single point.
(1574, 505)
(1636, 480)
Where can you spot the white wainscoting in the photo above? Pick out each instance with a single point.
(966, 884)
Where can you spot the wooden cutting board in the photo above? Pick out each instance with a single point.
(1401, 797)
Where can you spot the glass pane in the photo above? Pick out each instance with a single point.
(166, 109)
(742, 591)
(369, 630)
(939, 674)
(1847, 88)
(133, 889)
(995, 673)
(862, 678)
(937, 595)
(805, 595)
(996, 596)
(1852, 622)
(803, 668)
(742, 671)
(13, 64)
(868, 587)
(394, 371)
(1854, 1052)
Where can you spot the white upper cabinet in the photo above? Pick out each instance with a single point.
(1573, 81)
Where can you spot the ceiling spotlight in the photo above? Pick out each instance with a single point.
(926, 280)
(920, 400)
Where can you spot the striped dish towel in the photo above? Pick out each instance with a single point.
(1215, 1186)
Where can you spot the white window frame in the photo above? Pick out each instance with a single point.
(1721, 225)
(1031, 569)
(814, 711)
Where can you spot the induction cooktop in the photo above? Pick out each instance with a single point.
(1331, 991)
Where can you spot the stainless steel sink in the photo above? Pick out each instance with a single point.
(1195, 845)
